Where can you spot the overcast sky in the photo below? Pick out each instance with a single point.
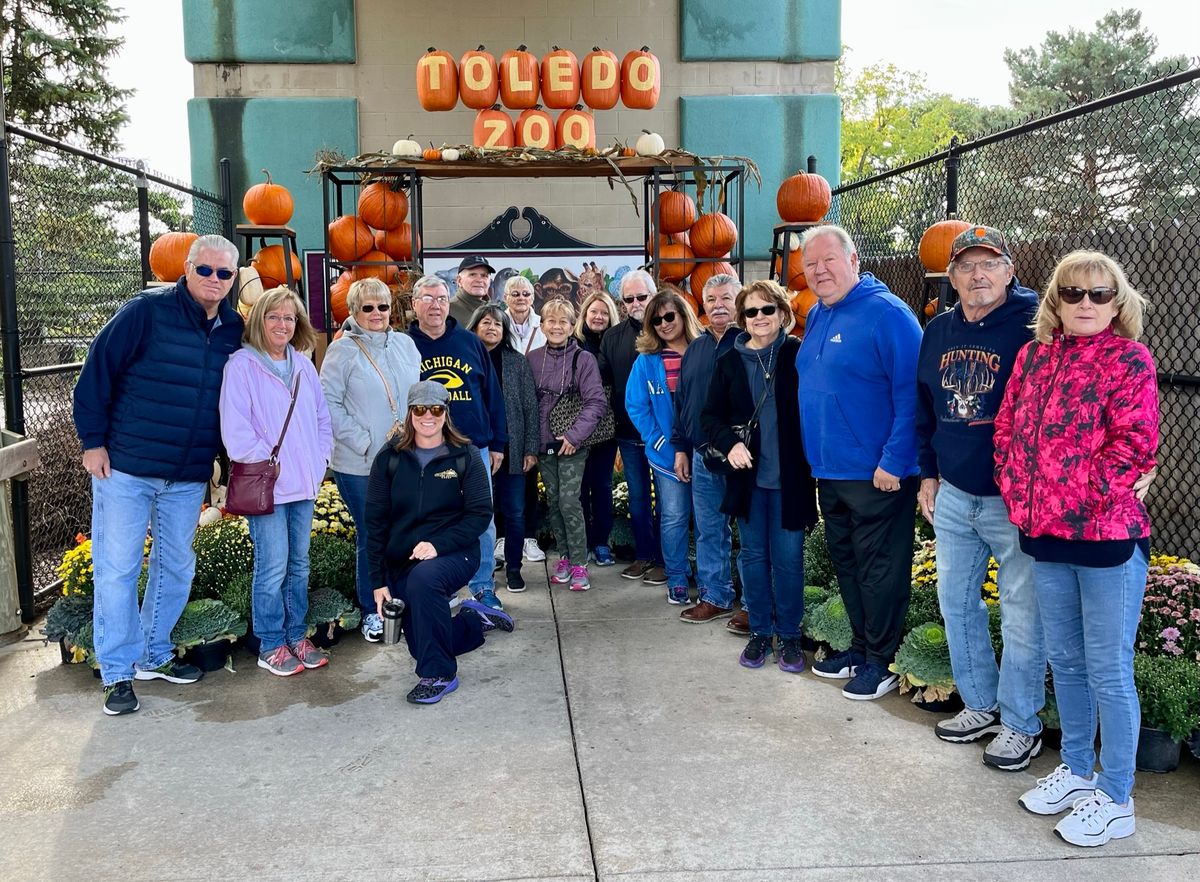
(958, 44)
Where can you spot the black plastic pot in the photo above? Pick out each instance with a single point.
(1157, 751)
(1193, 744)
(951, 705)
(65, 651)
(808, 644)
(209, 657)
(1052, 738)
(327, 636)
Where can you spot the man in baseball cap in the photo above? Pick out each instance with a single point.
(474, 281)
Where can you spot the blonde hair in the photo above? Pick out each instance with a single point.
(581, 322)
(770, 292)
(255, 335)
(649, 341)
(1074, 267)
(364, 288)
(515, 281)
(560, 307)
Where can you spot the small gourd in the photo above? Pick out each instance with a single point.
(450, 154)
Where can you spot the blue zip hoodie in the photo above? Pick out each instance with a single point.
(695, 370)
(858, 385)
(961, 374)
(459, 361)
(651, 409)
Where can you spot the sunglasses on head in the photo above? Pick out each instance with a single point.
(664, 317)
(371, 307)
(204, 270)
(1098, 296)
(640, 298)
(421, 409)
(752, 311)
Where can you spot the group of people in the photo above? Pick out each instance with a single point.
(1024, 429)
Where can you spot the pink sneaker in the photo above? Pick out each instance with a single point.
(579, 579)
(308, 655)
(562, 572)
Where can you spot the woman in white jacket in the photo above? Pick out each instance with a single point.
(366, 375)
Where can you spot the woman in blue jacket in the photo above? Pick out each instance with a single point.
(668, 326)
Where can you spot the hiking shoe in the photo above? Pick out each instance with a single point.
(603, 556)
(173, 671)
(533, 551)
(758, 648)
(1057, 792)
(280, 662)
(498, 555)
(870, 681)
(562, 572)
(493, 619)
(968, 725)
(1096, 819)
(489, 599)
(839, 667)
(704, 612)
(791, 655)
(1011, 751)
(739, 624)
(372, 627)
(637, 569)
(431, 690)
(308, 654)
(516, 583)
(579, 579)
(656, 575)
(119, 698)
(678, 595)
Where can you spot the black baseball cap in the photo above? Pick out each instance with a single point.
(473, 261)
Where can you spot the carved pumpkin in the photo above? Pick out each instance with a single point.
(337, 296)
(676, 212)
(271, 269)
(437, 80)
(675, 262)
(802, 301)
(382, 207)
(168, 255)
(705, 271)
(520, 80)
(713, 235)
(560, 79)
(349, 238)
(478, 79)
(268, 204)
(641, 79)
(397, 243)
(377, 265)
(575, 128)
(535, 128)
(803, 198)
(493, 128)
(600, 79)
(934, 249)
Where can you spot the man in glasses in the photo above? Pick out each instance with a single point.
(474, 282)
(618, 350)
(145, 410)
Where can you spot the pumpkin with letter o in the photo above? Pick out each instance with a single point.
(575, 128)
(520, 80)
(168, 255)
(803, 198)
(535, 128)
(641, 79)
(478, 79)
(934, 249)
(268, 204)
(437, 80)
(349, 238)
(271, 268)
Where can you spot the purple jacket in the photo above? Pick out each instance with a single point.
(552, 375)
(254, 404)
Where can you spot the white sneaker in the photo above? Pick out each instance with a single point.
(1096, 819)
(372, 627)
(533, 551)
(1057, 792)
(499, 555)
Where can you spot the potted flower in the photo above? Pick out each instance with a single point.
(330, 614)
(1170, 622)
(223, 551)
(238, 595)
(332, 563)
(1169, 692)
(828, 624)
(331, 517)
(69, 615)
(923, 663)
(205, 633)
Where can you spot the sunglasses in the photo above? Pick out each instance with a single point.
(1098, 296)
(640, 298)
(664, 317)
(371, 307)
(205, 271)
(752, 311)
(422, 409)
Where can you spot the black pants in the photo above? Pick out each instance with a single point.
(434, 636)
(870, 538)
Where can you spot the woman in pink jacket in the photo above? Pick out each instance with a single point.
(1078, 426)
(256, 393)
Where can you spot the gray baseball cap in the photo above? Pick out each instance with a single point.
(428, 392)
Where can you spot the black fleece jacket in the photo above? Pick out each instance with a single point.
(618, 350)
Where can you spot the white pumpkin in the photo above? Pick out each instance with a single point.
(793, 242)
(210, 515)
(450, 154)
(408, 148)
(250, 289)
(649, 144)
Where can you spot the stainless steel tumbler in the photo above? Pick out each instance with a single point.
(392, 611)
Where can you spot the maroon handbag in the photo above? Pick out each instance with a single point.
(252, 484)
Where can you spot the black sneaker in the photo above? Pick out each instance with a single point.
(839, 667)
(758, 648)
(516, 584)
(870, 681)
(174, 671)
(119, 698)
(431, 690)
(791, 655)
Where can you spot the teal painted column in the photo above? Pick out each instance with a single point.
(760, 30)
(295, 32)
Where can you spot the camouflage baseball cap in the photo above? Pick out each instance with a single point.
(979, 237)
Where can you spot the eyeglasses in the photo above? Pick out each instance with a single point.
(421, 409)
(281, 319)
(520, 292)
(968, 266)
(752, 311)
(429, 298)
(1098, 296)
(640, 298)
(204, 270)
(371, 307)
(664, 317)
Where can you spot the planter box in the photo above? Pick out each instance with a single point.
(209, 657)
(327, 635)
(1157, 751)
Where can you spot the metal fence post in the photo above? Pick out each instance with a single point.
(952, 160)
(226, 192)
(143, 200)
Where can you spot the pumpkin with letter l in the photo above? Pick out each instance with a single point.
(520, 80)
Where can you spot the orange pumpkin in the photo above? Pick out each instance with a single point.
(382, 205)
(628, 151)
(493, 128)
(397, 243)
(705, 271)
(802, 301)
(271, 268)
(791, 270)
(600, 79)
(667, 239)
(349, 238)
(575, 128)
(268, 204)
(675, 262)
(168, 255)
(934, 249)
(713, 234)
(432, 155)
(803, 198)
(560, 79)
(478, 79)
(676, 212)
(377, 265)
(337, 296)
(520, 79)
(931, 307)
(535, 128)
(641, 79)
(437, 80)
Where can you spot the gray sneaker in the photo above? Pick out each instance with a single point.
(968, 725)
(280, 662)
(1011, 751)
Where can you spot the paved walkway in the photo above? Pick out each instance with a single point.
(603, 740)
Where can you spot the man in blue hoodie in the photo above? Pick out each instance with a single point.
(858, 401)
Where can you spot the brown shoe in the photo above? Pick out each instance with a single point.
(739, 624)
(704, 612)
(655, 576)
(637, 569)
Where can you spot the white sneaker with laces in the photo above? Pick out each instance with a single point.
(533, 551)
(372, 627)
(1096, 819)
(968, 725)
(499, 555)
(1057, 792)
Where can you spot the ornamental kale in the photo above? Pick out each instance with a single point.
(923, 663)
(828, 622)
(206, 621)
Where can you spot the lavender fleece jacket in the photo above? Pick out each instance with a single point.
(552, 372)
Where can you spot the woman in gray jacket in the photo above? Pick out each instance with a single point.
(366, 375)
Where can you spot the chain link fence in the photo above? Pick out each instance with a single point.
(1119, 175)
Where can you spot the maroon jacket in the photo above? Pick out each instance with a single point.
(1078, 425)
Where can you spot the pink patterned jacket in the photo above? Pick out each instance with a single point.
(1078, 425)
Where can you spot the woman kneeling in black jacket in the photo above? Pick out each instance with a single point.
(428, 501)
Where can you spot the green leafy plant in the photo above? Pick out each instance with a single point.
(923, 663)
(1169, 691)
(83, 646)
(68, 616)
(239, 595)
(223, 551)
(815, 595)
(994, 629)
(828, 623)
(818, 565)
(332, 562)
(206, 621)
(923, 606)
(328, 608)
(1049, 713)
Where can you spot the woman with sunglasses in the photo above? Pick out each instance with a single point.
(1077, 428)
(597, 314)
(366, 374)
(769, 487)
(428, 501)
(668, 326)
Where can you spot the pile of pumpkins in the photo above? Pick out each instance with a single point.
(934, 251)
(803, 198)
(375, 239)
(683, 235)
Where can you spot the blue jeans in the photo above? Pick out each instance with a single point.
(122, 506)
(596, 492)
(280, 592)
(487, 542)
(646, 544)
(675, 508)
(714, 539)
(353, 489)
(1090, 616)
(970, 529)
(509, 492)
(771, 564)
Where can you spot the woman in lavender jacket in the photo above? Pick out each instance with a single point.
(255, 396)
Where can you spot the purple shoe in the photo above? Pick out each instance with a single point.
(431, 690)
(791, 655)
(758, 648)
(493, 619)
